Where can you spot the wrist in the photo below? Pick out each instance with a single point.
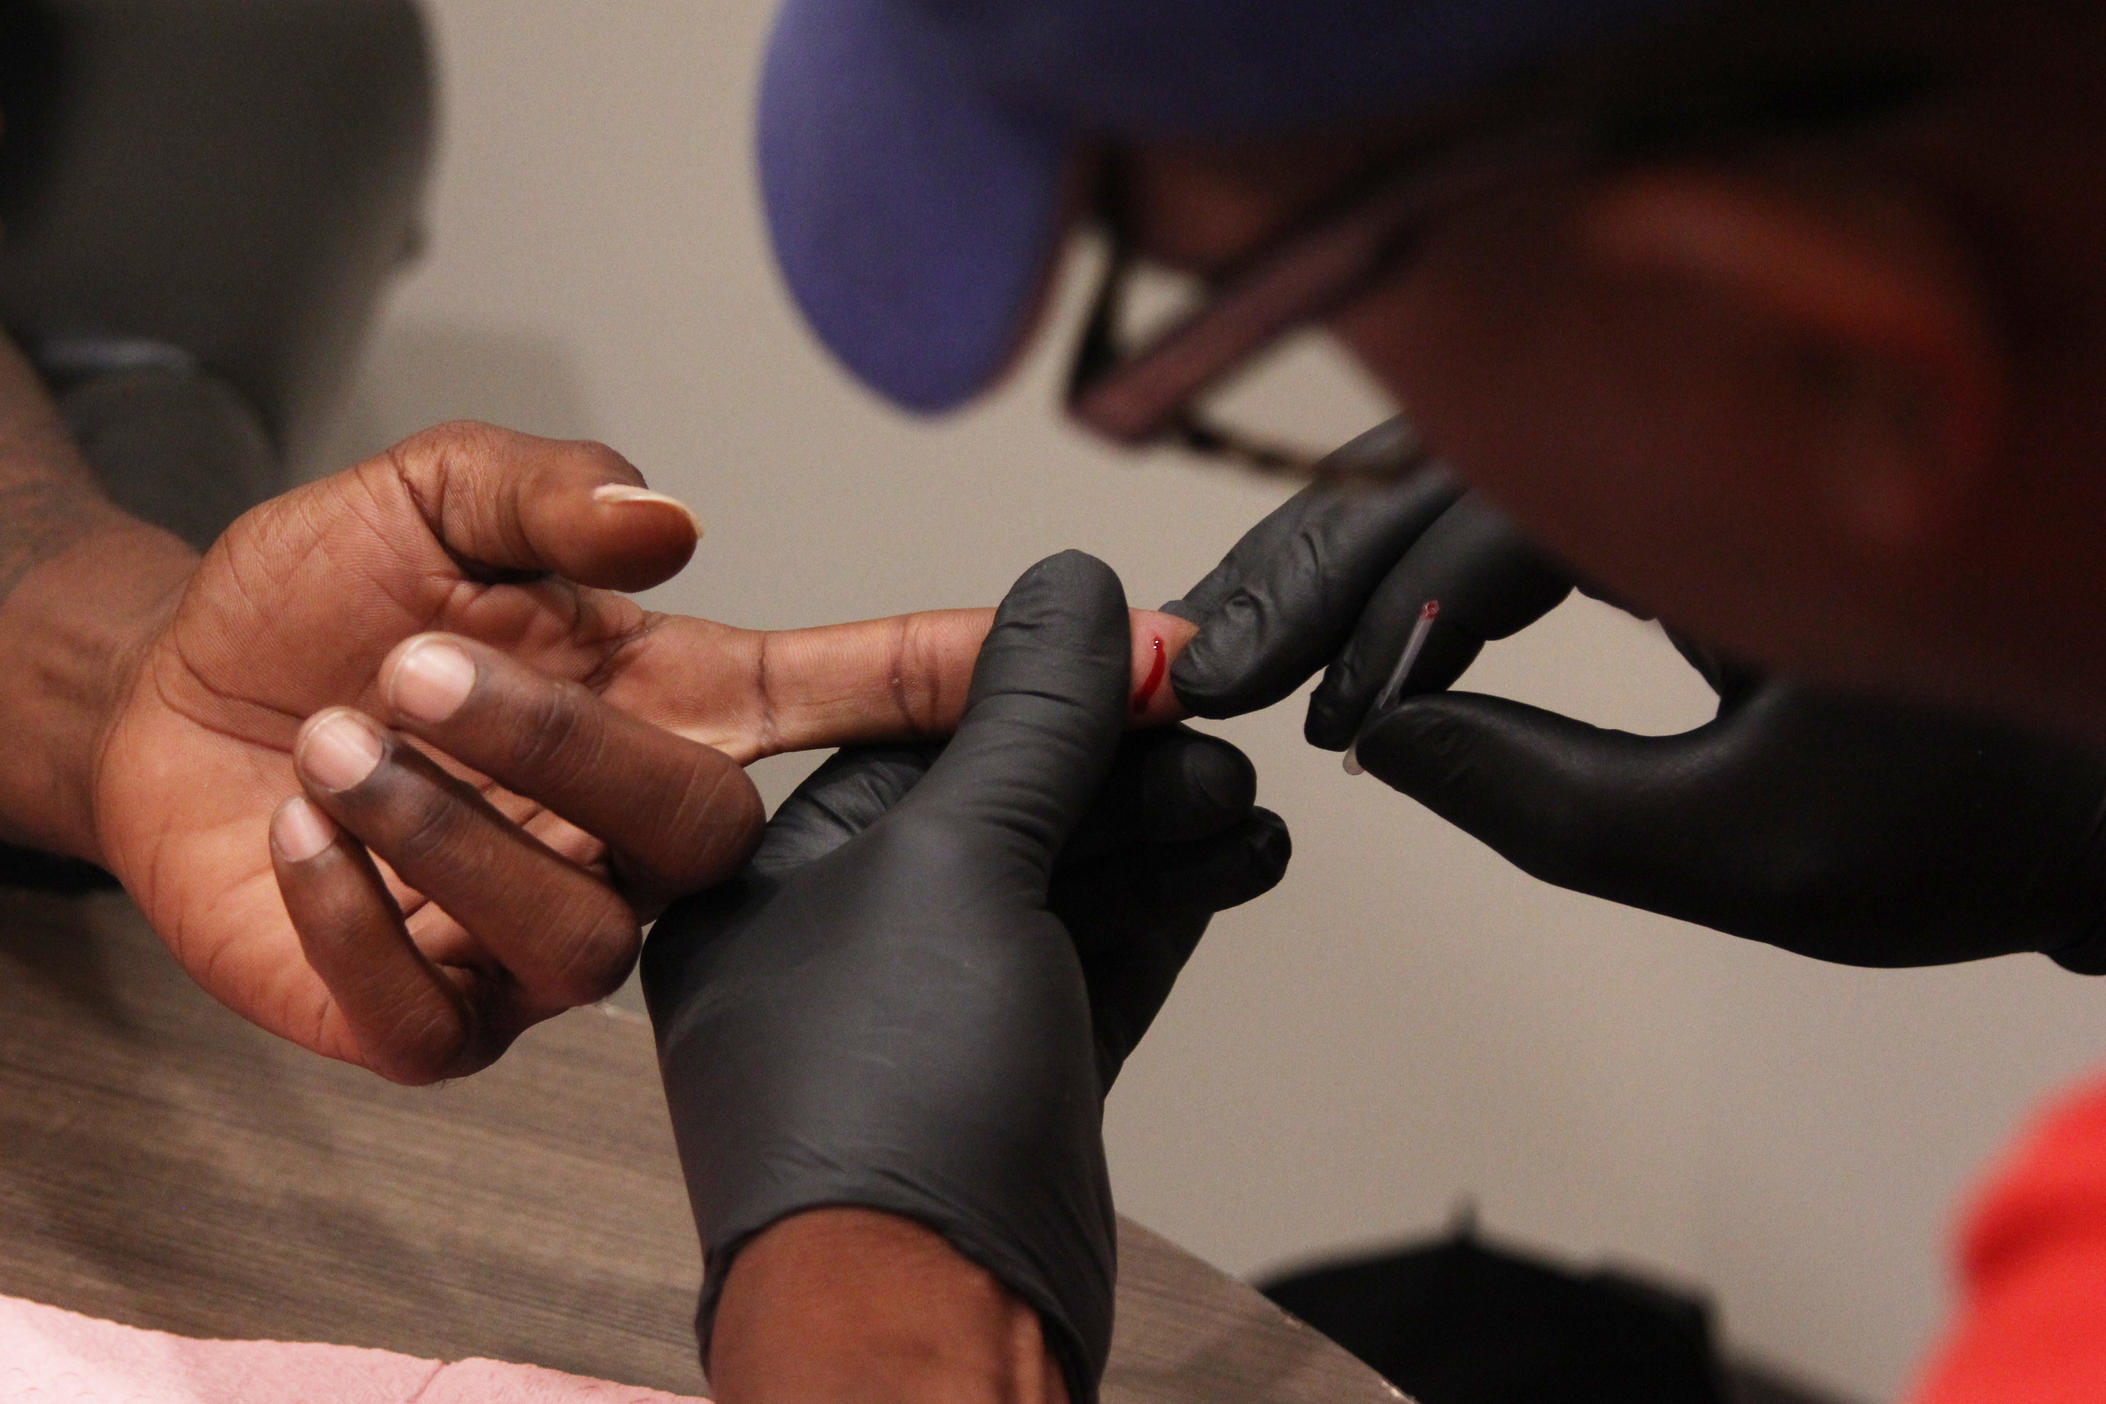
(74, 632)
(852, 1305)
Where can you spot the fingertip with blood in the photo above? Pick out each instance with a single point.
(1146, 692)
(1158, 639)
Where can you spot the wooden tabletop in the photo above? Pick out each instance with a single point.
(164, 1164)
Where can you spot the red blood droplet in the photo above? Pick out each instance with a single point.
(1430, 610)
(1147, 690)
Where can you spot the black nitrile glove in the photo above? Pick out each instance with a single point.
(1861, 832)
(1856, 831)
(915, 997)
(1335, 580)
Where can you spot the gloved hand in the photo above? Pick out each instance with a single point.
(1850, 830)
(1335, 580)
(915, 996)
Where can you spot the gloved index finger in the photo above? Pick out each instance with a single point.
(1045, 713)
(1391, 440)
(1286, 596)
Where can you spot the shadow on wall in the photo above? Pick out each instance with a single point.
(416, 375)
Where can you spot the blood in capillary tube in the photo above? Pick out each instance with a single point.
(1145, 693)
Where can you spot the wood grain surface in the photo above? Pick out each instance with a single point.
(164, 1164)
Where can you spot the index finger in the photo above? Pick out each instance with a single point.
(751, 694)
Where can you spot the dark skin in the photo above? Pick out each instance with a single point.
(1827, 397)
(1830, 400)
(495, 865)
(852, 1305)
(497, 870)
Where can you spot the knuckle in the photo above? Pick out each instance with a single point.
(554, 734)
(444, 443)
(917, 678)
(593, 960)
(423, 1053)
(427, 827)
(458, 432)
(416, 1042)
(714, 824)
(604, 461)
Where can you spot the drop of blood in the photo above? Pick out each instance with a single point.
(1145, 694)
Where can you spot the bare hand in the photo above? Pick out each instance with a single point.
(507, 767)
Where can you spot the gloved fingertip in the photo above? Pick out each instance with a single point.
(1271, 848)
(1416, 747)
(1076, 562)
(1222, 783)
(1327, 726)
(1072, 577)
(1198, 683)
(2085, 956)
(1264, 850)
(1184, 610)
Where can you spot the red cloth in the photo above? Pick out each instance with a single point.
(2031, 1327)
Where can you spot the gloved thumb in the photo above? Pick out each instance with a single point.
(1560, 799)
(1044, 715)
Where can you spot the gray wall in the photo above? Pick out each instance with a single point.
(1404, 1025)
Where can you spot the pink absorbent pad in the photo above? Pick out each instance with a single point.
(49, 1356)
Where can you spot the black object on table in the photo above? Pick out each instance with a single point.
(1458, 1320)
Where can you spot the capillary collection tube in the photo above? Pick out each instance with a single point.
(1394, 688)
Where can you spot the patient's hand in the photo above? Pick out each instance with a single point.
(590, 773)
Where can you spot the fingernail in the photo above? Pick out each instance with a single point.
(299, 831)
(431, 681)
(622, 492)
(339, 751)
